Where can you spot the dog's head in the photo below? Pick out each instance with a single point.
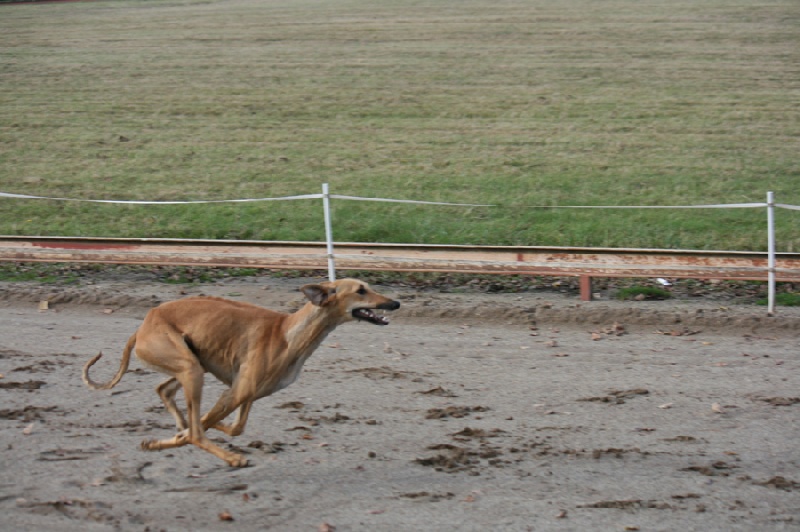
(351, 300)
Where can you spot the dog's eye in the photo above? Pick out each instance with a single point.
(362, 291)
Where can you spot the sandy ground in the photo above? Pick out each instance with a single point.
(468, 412)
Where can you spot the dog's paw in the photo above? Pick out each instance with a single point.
(223, 427)
(238, 460)
(150, 445)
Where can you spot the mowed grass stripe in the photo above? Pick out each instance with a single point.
(510, 102)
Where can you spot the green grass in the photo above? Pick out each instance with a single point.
(784, 299)
(40, 273)
(511, 102)
(642, 292)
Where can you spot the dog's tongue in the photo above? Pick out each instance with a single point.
(368, 315)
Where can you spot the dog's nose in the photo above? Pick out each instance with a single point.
(390, 305)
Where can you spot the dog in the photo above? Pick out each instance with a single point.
(255, 351)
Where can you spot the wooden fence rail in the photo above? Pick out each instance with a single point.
(585, 263)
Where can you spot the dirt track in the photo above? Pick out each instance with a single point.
(468, 412)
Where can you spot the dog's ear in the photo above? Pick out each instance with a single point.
(318, 294)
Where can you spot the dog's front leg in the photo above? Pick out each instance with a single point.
(191, 378)
(237, 427)
(226, 404)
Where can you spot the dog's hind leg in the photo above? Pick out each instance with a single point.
(167, 390)
(192, 382)
(168, 352)
(179, 440)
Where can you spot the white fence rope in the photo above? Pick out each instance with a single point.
(145, 202)
(416, 202)
(391, 200)
(326, 196)
(717, 206)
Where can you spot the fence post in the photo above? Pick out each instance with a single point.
(326, 207)
(771, 254)
(585, 284)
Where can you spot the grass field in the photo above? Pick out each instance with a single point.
(509, 102)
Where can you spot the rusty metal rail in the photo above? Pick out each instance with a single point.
(557, 261)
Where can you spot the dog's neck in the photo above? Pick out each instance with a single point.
(304, 331)
(308, 327)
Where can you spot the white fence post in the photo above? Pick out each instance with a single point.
(328, 232)
(771, 254)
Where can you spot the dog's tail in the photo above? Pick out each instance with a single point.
(123, 367)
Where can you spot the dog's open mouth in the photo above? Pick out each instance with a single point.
(365, 314)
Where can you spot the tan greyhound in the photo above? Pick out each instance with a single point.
(255, 351)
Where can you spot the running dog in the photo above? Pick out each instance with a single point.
(255, 351)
